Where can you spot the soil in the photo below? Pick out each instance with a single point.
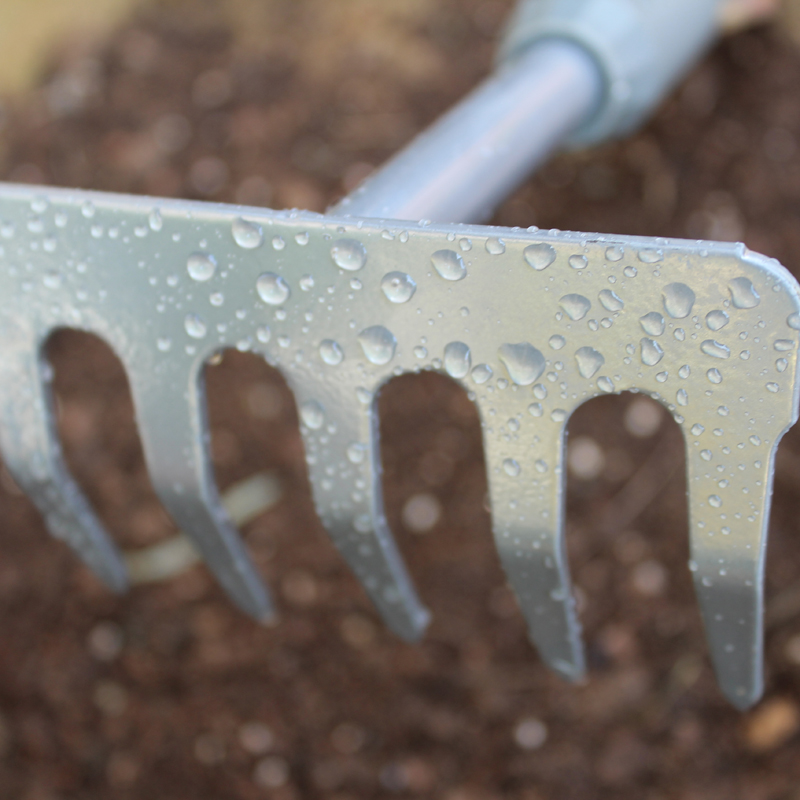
(169, 691)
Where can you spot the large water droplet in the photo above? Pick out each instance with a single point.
(783, 345)
(457, 359)
(201, 266)
(330, 352)
(272, 288)
(589, 361)
(614, 253)
(743, 293)
(575, 306)
(449, 265)
(246, 234)
(495, 246)
(652, 323)
(194, 326)
(312, 414)
(539, 256)
(610, 300)
(651, 352)
(650, 256)
(349, 254)
(714, 375)
(716, 320)
(511, 468)
(715, 349)
(523, 362)
(398, 287)
(378, 344)
(678, 300)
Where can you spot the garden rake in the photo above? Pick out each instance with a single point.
(531, 323)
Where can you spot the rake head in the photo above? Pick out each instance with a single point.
(532, 324)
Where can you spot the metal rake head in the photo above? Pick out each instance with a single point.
(531, 323)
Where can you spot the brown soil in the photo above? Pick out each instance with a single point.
(156, 694)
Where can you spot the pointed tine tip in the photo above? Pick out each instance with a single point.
(574, 671)
(414, 630)
(744, 697)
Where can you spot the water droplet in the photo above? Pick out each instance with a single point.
(716, 320)
(420, 352)
(679, 334)
(154, 220)
(578, 261)
(651, 352)
(511, 467)
(278, 243)
(449, 265)
(201, 266)
(576, 306)
(247, 234)
(714, 375)
(216, 298)
(457, 359)
(556, 342)
(398, 287)
(539, 256)
(678, 300)
(312, 414)
(743, 293)
(714, 349)
(194, 326)
(630, 272)
(682, 397)
(164, 344)
(793, 321)
(330, 352)
(535, 409)
(558, 415)
(650, 256)
(364, 395)
(495, 246)
(610, 300)
(540, 465)
(356, 453)
(349, 254)
(481, 373)
(306, 283)
(781, 365)
(706, 455)
(652, 323)
(605, 384)
(378, 344)
(589, 361)
(723, 411)
(685, 371)
(272, 288)
(614, 253)
(714, 500)
(783, 345)
(523, 362)
(697, 429)
(301, 238)
(773, 387)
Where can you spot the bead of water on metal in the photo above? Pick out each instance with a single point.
(578, 261)
(575, 306)
(201, 266)
(356, 452)
(714, 375)
(523, 362)
(349, 254)
(610, 300)
(263, 334)
(301, 238)
(457, 359)
(312, 414)
(194, 326)
(511, 467)
(678, 300)
(651, 352)
(783, 345)
(420, 352)
(449, 265)
(648, 256)
(705, 455)
(247, 234)
(781, 365)
(697, 429)
(272, 288)
(682, 397)
(398, 287)
(652, 323)
(535, 409)
(614, 253)
(539, 256)
(495, 246)
(743, 293)
(685, 371)
(278, 242)
(330, 352)
(556, 341)
(605, 384)
(716, 320)
(481, 373)
(715, 500)
(715, 349)
(378, 344)
(773, 387)
(589, 361)
(540, 391)
(630, 272)
(793, 320)
(306, 283)
(154, 220)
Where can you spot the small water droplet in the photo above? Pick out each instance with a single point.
(312, 414)
(349, 254)
(356, 452)
(743, 293)
(540, 465)
(685, 371)
(539, 256)
(651, 352)
(697, 429)
(773, 387)
(578, 261)
(88, 210)
(420, 352)
(398, 287)
(706, 455)
(301, 238)
(715, 349)
(523, 362)
(378, 344)
(495, 246)
(194, 326)
(614, 253)
(201, 266)
(723, 411)
(652, 323)
(783, 345)
(306, 283)
(278, 243)
(630, 272)
(330, 352)
(714, 375)
(216, 298)
(558, 415)
(449, 265)
(272, 288)
(164, 344)
(247, 234)
(364, 395)
(610, 300)
(576, 306)
(556, 342)
(605, 384)
(481, 373)
(781, 365)
(682, 397)
(154, 220)
(754, 440)
(650, 256)
(716, 320)
(540, 391)
(714, 500)
(589, 361)
(679, 334)
(457, 359)
(535, 409)
(511, 467)
(793, 320)
(678, 300)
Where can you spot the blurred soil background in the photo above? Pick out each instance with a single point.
(171, 693)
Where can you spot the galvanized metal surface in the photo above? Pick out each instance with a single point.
(531, 323)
